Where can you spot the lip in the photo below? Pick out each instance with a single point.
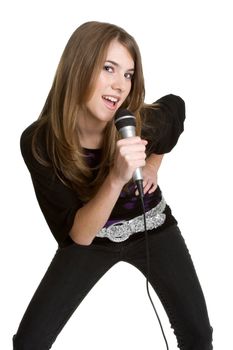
(110, 95)
(108, 104)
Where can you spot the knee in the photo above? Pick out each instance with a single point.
(197, 340)
(21, 342)
(204, 340)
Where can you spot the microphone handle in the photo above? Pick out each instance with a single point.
(137, 175)
(125, 132)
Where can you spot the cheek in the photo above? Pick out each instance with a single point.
(128, 90)
(101, 81)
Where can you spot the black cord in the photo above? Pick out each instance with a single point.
(141, 194)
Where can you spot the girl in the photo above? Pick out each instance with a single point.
(81, 172)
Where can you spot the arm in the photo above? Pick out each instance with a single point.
(161, 127)
(150, 172)
(91, 217)
(130, 154)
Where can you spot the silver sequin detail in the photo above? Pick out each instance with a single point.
(121, 230)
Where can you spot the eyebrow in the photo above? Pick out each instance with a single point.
(117, 65)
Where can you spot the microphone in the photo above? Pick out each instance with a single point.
(125, 123)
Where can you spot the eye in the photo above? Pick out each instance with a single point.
(108, 68)
(128, 76)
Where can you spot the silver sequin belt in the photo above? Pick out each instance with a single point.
(120, 231)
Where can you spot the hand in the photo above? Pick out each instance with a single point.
(130, 154)
(149, 173)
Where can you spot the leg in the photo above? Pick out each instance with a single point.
(72, 273)
(175, 281)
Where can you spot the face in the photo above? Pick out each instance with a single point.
(113, 84)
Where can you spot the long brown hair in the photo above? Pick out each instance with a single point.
(78, 69)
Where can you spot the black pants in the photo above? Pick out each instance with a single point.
(75, 269)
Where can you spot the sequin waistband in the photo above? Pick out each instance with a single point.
(122, 230)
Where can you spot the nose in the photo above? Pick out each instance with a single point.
(119, 83)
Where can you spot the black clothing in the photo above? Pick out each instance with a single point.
(75, 269)
(59, 204)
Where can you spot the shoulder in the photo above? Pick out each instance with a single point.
(26, 141)
(26, 144)
(172, 102)
(166, 109)
(171, 98)
(26, 137)
(163, 123)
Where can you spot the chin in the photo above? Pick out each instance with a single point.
(105, 117)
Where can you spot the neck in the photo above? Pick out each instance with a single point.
(90, 140)
(90, 131)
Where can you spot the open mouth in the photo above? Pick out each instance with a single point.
(110, 100)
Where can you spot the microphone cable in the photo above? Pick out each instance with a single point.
(141, 194)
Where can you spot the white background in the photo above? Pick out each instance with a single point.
(186, 48)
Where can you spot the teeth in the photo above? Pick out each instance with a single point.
(110, 98)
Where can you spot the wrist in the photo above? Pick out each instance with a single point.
(115, 182)
(154, 161)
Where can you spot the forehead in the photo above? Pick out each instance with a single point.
(120, 54)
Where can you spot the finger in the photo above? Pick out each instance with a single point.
(153, 188)
(133, 149)
(135, 156)
(131, 141)
(147, 187)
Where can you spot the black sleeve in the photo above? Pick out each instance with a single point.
(162, 126)
(58, 202)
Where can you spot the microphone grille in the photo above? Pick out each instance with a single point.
(124, 117)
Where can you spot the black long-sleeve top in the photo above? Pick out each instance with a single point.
(59, 203)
